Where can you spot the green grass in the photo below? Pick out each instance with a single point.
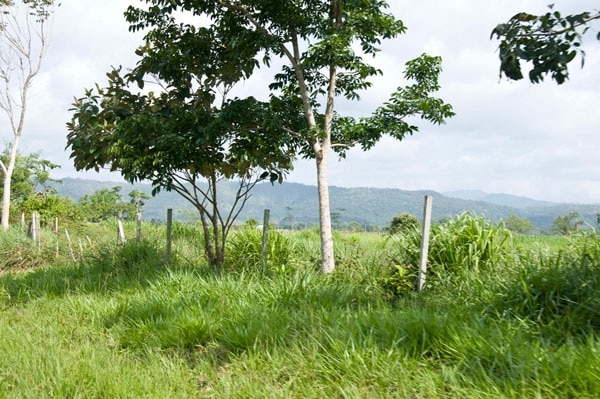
(121, 323)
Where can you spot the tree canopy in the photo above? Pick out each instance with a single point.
(549, 42)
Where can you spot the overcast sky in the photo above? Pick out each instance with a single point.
(540, 141)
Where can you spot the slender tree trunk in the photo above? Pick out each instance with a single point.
(6, 200)
(7, 171)
(208, 243)
(327, 254)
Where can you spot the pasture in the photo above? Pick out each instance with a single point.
(501, 316)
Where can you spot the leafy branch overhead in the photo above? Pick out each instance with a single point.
(549, 42)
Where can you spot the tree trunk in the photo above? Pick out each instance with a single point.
(7, 171)
(327, 255)
(6, 200)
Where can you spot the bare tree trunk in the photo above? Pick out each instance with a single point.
(6, 200)
(327, 254)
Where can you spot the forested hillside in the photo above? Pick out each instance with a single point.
(293, 204)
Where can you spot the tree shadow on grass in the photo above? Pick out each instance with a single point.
(108, 269)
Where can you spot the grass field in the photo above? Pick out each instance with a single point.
(501, 317)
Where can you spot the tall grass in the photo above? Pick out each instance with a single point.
(123, 323)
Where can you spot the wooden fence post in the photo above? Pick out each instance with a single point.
(120, 231)
(57, 233)
(265, 238)
(169, 233)
(138, 226)
(34, 228)
(70, 245)
(425, 241)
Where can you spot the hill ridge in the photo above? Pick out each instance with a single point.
(297, 203)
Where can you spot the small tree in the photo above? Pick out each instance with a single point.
(518, 224)
(105, 204)
(31, 175)
(24, 34)
(549, 42)
(136, 198)
(567, 224)
(181, 140)
(403, 223)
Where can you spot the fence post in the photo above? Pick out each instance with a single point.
(34, 228)
(425, 241)
(56, 232)
(138, 226)
(265, 238)
(169, 233)
(120, 231)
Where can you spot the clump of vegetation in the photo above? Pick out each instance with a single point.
(560, 292)
(18, 253)
(465, 244)
(245, 251)
(511, 328)
(403, 223)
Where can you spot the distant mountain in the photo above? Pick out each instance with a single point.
(514, 201)
(297, 204)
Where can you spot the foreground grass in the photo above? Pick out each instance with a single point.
(122, 324)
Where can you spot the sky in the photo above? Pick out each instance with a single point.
(540, 141)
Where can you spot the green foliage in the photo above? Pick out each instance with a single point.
(518, 224)
(403, 223)
(51, 206)
(566, 224)
(549, 41)
(463, 245)
(30, 177)
(245, 251)
(124, 324)
(560, 291)
(17, 252)
(239, 37)
(468, 243)
(106, 204)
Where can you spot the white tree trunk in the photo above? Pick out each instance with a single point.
(6, 200)
(7, 171)
(327, 254)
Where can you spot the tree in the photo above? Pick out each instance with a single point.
(403, 223)
(549, 41)
(323, 44)
(180, 138)
(136, 198)
(518, 224)
(105, 204)
(24, 33)
(30, 177)
(567, 224)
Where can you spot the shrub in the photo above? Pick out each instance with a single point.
(462, 245)
(403, 223)
(244, 251)
(467, 242)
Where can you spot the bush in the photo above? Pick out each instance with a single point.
(244, 251)
(467, 242)
(403, 223)
(457, 246)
